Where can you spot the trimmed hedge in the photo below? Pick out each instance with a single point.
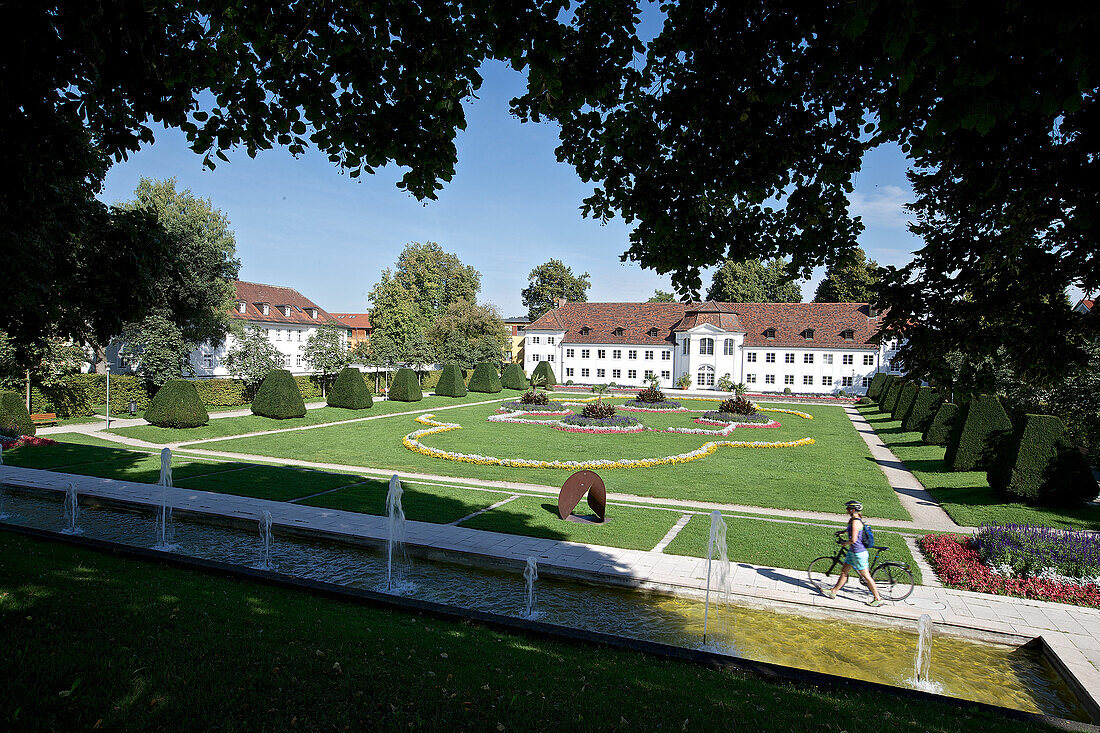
(309, 387)
(450, 382)
(875, 388)
(886, 385)
(543, 374)
(923, 410)
(405, 387)
(513, 377)
(349, 391)
(981, 428)
(222, 392)
(943, 422)
(1042, 466)
(893, 392)
(177, 405)
(71, 399)
(906, 397)
(14, 418)
(485, 379)
(278, 397)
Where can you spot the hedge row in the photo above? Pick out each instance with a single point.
(485, 379)
(979, 433)
(875, 388)
(920, 415)
(943, 422)
(1041, 465)
(906, 397)
(405, 387)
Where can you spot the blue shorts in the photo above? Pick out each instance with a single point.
(857, 560)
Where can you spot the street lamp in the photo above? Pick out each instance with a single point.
(108, 395)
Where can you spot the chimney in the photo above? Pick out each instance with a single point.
(561, 302)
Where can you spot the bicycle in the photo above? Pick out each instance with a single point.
(894, 579)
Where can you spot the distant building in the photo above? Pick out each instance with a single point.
(516, 328)
(818, 348)
(358, 325)
(1085, 305)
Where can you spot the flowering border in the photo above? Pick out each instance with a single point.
(628, 408)
(518, 411)
(22, 440)
(412, 442)
(521, 418)
(960, 566)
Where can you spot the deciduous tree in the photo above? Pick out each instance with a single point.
(851, 279)
(252, 356)
(157, 350)
(752, 281)
(550, 281)
(326, 352)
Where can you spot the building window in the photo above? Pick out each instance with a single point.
(287, 360)
(666, 375)
(868, 360)
(866, 381)
(569, 353)
(267, 309)
(828, 358)
(848, 334)
(649, 356)
(585, 330)
(286, 311)
(788, 358)
(299, 360)
(827, 381)
(299, 334)
(549, 339)
(616, 353)
(769, 379)
(807, 358)
(788, 379)
(313, 313)
(706, 346)
(727, 347)
(534, 357)
(550, 357)
(666, 355)
(807, 379)
(569, 371)
(241, 306)
(769, 333)
(616, 373)
(649, 374)
(687, 346)
(632, 354)
(847, 359)
(632, 374)
(750, 379)
(601, 353)
(846, 381)
(617, 332)
(750, 357)
(601, 373)
(769, 357)
(534, 339)
(705, 377)
(584, 372)
(808, 334)
(585, 353)
(652, 332)
(207, 361)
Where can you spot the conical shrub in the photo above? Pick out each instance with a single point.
(485, 379)
(177, 405)
(279, 397)
(1040, 465)
(980, 429)
(15, 420)
(923, 410)
(875, 388)
(350, 391)
(905, 400)
(886, 385)
(943, 423)
(543, 375)
(893, 392)
(513, 377)
(451, 383)
(405, 386)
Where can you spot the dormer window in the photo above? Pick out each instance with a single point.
(848, 334)
(312, 312)
(585, 330)
(618, 332)
(769, 333)
(286, 310)
(241, 306)
(808, 334)
(652, 332)
(265, 308)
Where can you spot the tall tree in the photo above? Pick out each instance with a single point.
(752, 281)
(384, 353)
(851, 279)
(662, 296)
(157, 349)
(326, 352)
(468, 329)
(438, 278)
(550, 281)
(252, 356)
(394, 311)
(47, 363)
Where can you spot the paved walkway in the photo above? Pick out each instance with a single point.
(1072, 632)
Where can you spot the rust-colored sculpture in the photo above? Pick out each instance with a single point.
(575, 487)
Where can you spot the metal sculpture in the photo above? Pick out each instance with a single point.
(575, 487)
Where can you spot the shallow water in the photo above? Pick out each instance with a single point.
(990, 673)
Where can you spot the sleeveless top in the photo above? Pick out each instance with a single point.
(857, 545)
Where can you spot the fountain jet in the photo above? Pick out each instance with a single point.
(165, 531)
(717, 544)
(530, 575)
(72, 511)
(395, 524)
(266, 540)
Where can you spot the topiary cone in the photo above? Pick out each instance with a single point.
(279, 397)
(1042, 466)
(15, 420)
(451, 383)
(177, 405)
(980, 429)
(513, 377)
(405, 386)
(485, 379)
(350, 391)
(543, 375)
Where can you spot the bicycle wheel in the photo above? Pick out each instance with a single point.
(822, 572)
(894, 581)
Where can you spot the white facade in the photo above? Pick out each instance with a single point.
(208, 360)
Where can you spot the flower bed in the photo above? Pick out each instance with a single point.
(535, 409)
(614, 424)
(959, 565)
(739, 423)
(412, 442)
(728, 417)
(9, 443)
(1022, 550)
(666, 406)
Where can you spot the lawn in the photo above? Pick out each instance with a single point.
(779, 544)
(226, 426)
(631, 528)
(966, 495)
(814, 477)
(96, 641)
(277, 483)
(421, 503)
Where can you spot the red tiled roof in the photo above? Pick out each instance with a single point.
(255, 294)
(355, 320)
(1089, 304)
(790, 321)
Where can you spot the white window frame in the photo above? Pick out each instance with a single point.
(706, 347)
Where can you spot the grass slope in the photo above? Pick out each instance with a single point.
(807, 477)
(438, 504)
(966, 495)
(95, 641)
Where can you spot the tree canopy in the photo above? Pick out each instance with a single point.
(851, 279)
(662, 296)
(252, 356)
(325, 351)
(469, 333)
(550, 281)
(752, 281)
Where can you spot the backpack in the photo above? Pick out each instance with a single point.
(867, 535)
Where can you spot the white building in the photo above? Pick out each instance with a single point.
(819, 348)
(286, 316)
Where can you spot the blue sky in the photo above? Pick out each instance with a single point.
(511, 206)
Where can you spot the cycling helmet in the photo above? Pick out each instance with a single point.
(855, 505)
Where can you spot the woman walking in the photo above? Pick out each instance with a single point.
(857, 555)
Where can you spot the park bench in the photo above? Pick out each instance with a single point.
(42, 419)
